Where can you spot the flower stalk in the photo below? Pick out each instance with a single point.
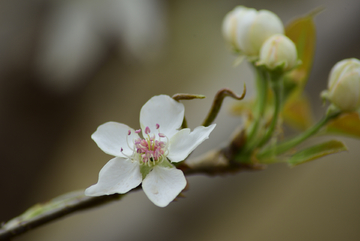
(287, 145)
(262, 95)
(277, 87)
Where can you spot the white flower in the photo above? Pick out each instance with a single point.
(147, 159)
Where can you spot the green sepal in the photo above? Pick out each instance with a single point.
(324, 95)
(145, 169)
(317, 151)
(274, 73)
(166, 163)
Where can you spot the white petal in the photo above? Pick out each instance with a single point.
(184, 142)
(162, 185)
(111, 137)
(119, 175)
(162, 110)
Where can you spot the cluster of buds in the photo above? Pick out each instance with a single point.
(260, 36)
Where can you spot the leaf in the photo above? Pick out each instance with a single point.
(297, 109)
(317, 151)
(347, 124)
(297, 112)
(302, 32)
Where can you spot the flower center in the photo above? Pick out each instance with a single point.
(150, 150)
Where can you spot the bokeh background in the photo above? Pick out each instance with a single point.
(68, 66)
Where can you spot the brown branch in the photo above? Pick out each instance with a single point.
(212, 163)
(41, 214)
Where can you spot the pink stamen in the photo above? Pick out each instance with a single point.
(138, 131)
(129, 132)
(150, 149)
(157, 126)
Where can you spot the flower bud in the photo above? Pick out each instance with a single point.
(230, 23)
(278, 51)
(344, 85)
(245, 29)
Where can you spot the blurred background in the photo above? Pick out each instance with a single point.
(68, 66)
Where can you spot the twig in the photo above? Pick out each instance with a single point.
(212, 163)
(76, 201)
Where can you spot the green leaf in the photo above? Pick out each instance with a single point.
(302, 32)
(347, 124)
(317, 151)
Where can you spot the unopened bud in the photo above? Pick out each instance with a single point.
(344, 85)
(278, 51)
(245, 29)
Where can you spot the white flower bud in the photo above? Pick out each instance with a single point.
(245, 29)
(230, 23)
(278, 50)
(344, 85)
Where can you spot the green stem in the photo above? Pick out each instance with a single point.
(262, 89)
(287, 145)
(277, 86)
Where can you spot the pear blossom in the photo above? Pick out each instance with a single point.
(147, 159)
